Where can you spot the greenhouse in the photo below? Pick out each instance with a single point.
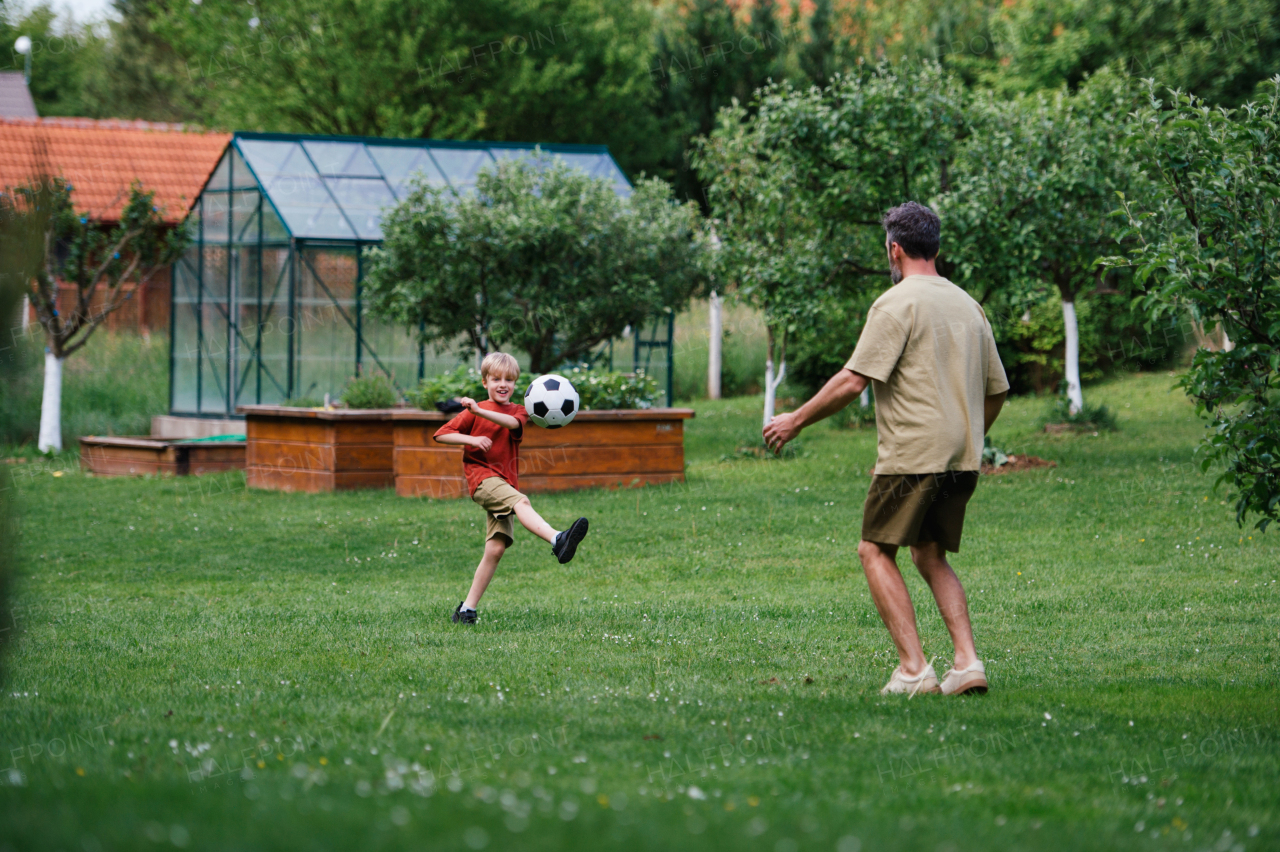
(266, 301)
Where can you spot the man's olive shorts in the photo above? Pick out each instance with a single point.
(914, 508)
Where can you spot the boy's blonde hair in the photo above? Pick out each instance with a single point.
(499, 364)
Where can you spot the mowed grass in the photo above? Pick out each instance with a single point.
(207, 667)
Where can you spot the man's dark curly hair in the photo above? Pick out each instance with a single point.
(914, 227)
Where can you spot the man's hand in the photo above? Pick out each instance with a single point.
(839, 391)
(781, 429)
(482, 443)
(470, 404)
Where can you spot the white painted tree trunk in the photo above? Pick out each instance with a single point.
(864, 399)
(1227, 344)
(26, 313)
(51, 406)
(771, 384)
(1075, 396)
(713, 348)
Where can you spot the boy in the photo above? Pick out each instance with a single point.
(491, 431)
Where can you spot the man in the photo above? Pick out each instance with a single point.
(931, 358)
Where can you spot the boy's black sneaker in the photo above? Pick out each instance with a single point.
(566, 543)
(464, 616)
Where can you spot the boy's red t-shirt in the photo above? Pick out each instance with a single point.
(502, 458)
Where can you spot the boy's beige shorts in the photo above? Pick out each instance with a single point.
(496, 496)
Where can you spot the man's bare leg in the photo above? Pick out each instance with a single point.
(493, 550)
(534, 523)
(893, 601)
(931, 560)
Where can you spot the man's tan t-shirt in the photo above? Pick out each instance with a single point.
(930, 353)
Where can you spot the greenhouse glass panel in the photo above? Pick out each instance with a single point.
(460, 167)
(244, 216)
(270, 334)
(271, 158)
(363, 200)
(348, 159)
(241, 177)
(273, 229)
(213, 329)
(267, 302)
(402, 165)
(184, 336)
(325, 332)
(216, 214)
(221, 177)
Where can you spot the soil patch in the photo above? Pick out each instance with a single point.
(1017, 463)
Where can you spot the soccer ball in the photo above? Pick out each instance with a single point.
(551, 401)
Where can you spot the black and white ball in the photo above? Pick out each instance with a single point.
(551, 401)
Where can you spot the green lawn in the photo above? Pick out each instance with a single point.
(208, 667)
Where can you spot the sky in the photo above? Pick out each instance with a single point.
(82, 10)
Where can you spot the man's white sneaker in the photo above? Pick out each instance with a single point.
(900, 684)
(971, 679)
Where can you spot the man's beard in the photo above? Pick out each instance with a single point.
(895, 272)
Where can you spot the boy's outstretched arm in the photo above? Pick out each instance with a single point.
(480, 442)
(506, 421)
(838, 392)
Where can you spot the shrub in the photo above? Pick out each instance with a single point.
(601, 390)
(993, 455)
(1096, 417)
(855, 415)
(597, 389)
(372, 390)
(303, 402)
(464, 381)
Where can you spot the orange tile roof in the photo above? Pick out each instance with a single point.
(100, 158)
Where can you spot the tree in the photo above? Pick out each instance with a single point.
(503, 70)
(64, 55)
(798, 187)
(1208, 245)
(1034, 184)
(541, 257)
(141, 75)
(99, 260)
(1219, 48)
(22, 233)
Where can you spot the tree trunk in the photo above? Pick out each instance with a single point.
(713, 351)
(51, 406)
(771, 382)
(1074, 395)
(865, 397)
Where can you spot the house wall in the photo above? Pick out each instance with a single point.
(146, 310)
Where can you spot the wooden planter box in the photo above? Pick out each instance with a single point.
(126, 456)
(599, 449)
(309, 449)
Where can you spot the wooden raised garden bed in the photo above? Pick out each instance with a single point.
(310, 449)
(129, 456)
(608, 449)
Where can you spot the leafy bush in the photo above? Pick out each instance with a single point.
(1112, 337)
(855, 415)
(993, 455)
(372, 390)
(464, 381)
(597, 389)
(303, 402)
(1096, 417)
(1206, 246)
(601, 390)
